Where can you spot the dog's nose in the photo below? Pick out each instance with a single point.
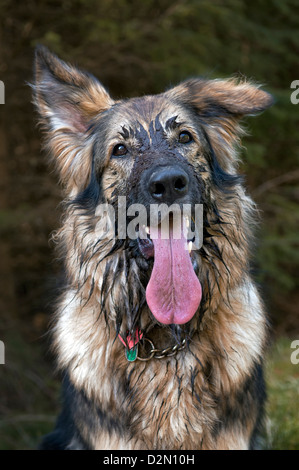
(168, 183)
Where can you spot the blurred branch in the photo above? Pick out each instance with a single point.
(274, 182)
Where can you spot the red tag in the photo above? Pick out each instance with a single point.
(130, 341)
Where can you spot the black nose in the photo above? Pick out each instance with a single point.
(168, 183)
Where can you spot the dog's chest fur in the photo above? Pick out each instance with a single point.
(179, 402)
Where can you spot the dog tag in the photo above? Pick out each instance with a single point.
(132, 343)
(131, 354)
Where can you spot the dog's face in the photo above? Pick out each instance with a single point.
(176, 148)
(153, 147)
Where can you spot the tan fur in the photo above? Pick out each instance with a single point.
(230, 341)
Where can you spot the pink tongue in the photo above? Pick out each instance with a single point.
(173, 293)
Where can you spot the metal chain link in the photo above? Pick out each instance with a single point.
(161, 353)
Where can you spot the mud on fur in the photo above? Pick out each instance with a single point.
(176, 147)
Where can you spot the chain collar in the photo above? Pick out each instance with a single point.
(155, 353)
(148, 349)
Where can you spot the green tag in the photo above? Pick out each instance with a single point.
(131, 354)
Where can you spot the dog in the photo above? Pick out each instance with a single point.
(159, 346)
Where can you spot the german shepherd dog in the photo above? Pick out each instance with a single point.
(160, 347)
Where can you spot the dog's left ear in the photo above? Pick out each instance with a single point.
(220, 98)
(68, 101)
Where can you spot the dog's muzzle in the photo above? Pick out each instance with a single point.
(173, 292)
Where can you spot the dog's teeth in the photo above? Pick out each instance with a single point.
(190, 246)
(147, 229)
(187, 221)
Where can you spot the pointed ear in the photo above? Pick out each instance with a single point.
(214, 98)
(68, 101)
(220, 104)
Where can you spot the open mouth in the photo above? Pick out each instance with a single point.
(147, 248)
(173, 292)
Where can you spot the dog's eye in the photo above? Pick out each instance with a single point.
(119, 150)
(185, 137)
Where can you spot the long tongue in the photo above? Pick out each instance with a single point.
(173, 293)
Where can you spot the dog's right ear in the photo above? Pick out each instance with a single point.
(68, 101)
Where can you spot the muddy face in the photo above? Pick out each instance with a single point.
(152, 146)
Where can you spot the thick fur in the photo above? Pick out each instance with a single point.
(211, 394)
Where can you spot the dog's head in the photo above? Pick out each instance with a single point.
(175, 149)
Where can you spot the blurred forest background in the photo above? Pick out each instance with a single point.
(142, 47)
